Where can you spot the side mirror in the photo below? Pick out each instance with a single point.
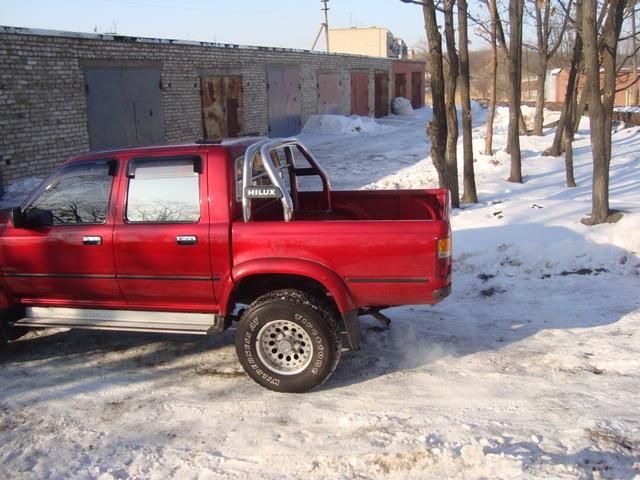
(37, 218)
(17, 217)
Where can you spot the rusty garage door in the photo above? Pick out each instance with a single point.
(222, 110)
(382, 94)
(329, 88)
(401, 85)
(124, 106)
(285, 105)
(417, 89)
(360, 93)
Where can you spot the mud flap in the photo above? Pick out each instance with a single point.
(352, 327)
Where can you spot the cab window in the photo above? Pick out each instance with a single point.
(163, 190)
(78, 193)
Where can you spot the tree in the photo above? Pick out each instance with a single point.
(469, 193)
(546, 50)
(450, 86)
(600, 106)
(437, 127)
(515, 85)
(493, 11)
(569, 109)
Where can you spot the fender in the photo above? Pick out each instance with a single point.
(289, 266)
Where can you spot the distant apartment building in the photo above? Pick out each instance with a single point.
(372, 42)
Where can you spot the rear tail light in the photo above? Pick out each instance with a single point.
(443, 263)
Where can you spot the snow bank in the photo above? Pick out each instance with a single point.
(401, 106)
(340, 125)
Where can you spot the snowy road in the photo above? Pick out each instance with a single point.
(531, 369)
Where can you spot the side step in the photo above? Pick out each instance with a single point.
(123, 320)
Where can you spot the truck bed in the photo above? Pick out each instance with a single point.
(361, 205)
(398, 229)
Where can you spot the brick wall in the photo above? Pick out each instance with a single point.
(43, 113)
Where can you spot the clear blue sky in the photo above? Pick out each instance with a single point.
(280, 23)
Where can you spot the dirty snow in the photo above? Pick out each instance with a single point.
(531, 369)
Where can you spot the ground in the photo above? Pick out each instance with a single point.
(530, 369)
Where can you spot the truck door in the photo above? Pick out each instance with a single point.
(71, 261)
(161, 236)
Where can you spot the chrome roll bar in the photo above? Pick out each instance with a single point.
(264, 148)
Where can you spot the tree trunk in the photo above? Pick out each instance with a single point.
(450, 97)
(437, 128)
(600, 107)
(538, 123)
(579, 111)
(556, 148)
(488, 142)
(541, 70)
(515, 85)
(634, 46)
(469, 194)
(568, 147)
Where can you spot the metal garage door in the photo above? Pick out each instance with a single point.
(382, 94)
(360, 93)
(222, 109)
(124, 106)
(400, 85)
(417, 90)
(329, 88)
(285, 106)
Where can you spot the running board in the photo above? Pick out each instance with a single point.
(123, 320)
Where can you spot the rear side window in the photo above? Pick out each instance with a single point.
(78, 193)
(164, 190)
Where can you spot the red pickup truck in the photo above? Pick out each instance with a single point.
(190, 238)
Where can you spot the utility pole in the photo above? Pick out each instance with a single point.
(323, 26)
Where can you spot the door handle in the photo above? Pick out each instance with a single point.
(186, 239)
(93, 240)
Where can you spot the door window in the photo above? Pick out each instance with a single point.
(163, 190)
(78, 193)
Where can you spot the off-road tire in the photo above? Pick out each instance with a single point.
(295, 310)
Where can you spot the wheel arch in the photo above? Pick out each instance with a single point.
(256, 277)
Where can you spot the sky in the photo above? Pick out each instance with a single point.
(277, 23)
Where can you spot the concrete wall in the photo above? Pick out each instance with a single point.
(43, 112)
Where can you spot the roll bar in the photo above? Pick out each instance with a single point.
(264, 148)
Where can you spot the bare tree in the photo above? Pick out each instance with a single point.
(545, 50)
(569, 108)
(493, 11)
(450, 85)
(437, 127)
(600, 106)
(469, 194)
(515, 85)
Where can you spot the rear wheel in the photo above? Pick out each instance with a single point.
(287, 341)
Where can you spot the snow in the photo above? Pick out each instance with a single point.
(401, 106)
(530, 369)
(338, 124)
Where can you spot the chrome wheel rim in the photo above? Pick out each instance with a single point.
(284, 347)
